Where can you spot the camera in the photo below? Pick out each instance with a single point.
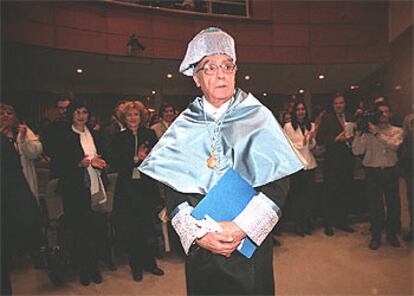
(365, 118)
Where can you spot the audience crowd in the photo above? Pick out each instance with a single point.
(81, 154)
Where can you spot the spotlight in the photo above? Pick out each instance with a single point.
(79, 71)
(321, 76)
(247, 77)
(265, 94)
(153, 92)
(169, 76)
(301, 91)
(354, 86)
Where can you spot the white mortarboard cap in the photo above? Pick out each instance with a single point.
(210, 41)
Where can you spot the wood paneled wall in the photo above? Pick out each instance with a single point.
(280, 32)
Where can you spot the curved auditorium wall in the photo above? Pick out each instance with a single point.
(278, 32)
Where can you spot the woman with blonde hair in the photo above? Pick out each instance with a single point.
(136, 195)
(20, 216)
(27, 144)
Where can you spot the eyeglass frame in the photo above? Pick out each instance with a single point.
(216, 67)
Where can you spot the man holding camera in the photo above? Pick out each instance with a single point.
(379, 145)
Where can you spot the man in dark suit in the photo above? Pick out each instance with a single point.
(339, 165)
(52, 138)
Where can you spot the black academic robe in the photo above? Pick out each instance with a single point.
(212, 274)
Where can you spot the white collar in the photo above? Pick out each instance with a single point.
(78, 131)
(214, 112)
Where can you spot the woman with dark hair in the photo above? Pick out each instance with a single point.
(301, 132)
(136, 195)
(82, 177)
(167, 114)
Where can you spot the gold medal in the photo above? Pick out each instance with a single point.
(211, 162)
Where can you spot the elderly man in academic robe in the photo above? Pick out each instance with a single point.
(224, 128)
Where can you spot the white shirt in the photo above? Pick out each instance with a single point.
(214, 112)
(379, 151)
(296, 137)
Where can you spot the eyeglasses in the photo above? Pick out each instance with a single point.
(210, 69)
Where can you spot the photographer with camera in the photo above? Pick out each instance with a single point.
(379, 141)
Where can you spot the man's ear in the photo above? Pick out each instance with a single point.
(196, 80)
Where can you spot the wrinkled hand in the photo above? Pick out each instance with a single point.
(233, 230)
(219, 243)
(98, 163)
(85, 162)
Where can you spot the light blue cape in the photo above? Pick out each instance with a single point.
(251, 142)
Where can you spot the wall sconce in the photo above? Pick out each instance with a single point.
(134, 45)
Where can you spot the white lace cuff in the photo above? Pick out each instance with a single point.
(185, 225)
(258, 218)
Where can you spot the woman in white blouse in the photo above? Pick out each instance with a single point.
(302, 134)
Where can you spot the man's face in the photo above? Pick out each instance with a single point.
(216, 77)
(386, 114)
(339, 105)
(61, 106)
(168, 114)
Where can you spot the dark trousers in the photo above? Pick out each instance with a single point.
(212, 274)
(89, 231)
(141, 251)
(6, 261)
(302, 184)
(410, 197)
(383, 184)
(337, 190)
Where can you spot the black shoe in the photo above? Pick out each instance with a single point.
(137, 275)
(375, 244)
(345, 228)
(156, 271)
(307, 230)
(329, 231)
(85, 280)
(408, 237)
(96, 278)
(393, 241)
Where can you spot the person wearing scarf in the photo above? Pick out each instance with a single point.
(81, 165)
(225, 128)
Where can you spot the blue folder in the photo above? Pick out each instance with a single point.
(225, 201)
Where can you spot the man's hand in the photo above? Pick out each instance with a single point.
(233, 229)
(372, 128)
(219, 243)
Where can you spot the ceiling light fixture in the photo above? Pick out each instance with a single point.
(265, 94)
(301, 91)
(354, 86)
(321, 76)
(79, 71)
(153, 92)
(247, 77)
(169, 76)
